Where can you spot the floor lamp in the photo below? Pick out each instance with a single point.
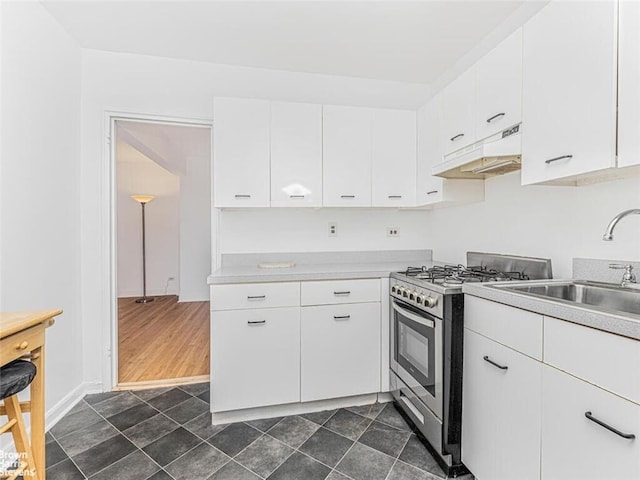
(143, 200)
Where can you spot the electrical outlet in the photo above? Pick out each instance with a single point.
(333, 229)
(393, 232)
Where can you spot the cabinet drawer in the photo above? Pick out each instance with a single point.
(510, 326)
(573, 446)
(601, 358)
(255, 295)
(255, 358)
(340, 350)
(340, 291)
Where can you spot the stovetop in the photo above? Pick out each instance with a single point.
(482, 267)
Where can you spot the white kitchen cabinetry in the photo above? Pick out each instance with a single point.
(255, 358)
(501, 408)
(573, 446)
(328, 292)
(499, 83)
(241, 152)
(340, 347)
(296, 155)
(628, 84)
(347, 156)
(459, 112)
(393, 160)
(569, 91)
(432, 190)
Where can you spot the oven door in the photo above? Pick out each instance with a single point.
(416, 353)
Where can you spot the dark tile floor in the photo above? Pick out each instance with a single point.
(166, 434)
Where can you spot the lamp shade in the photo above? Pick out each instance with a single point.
(143, 198)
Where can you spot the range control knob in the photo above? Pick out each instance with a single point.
(430, 302)
(395, 288)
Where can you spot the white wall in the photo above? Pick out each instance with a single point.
(162, 218)
(180, 89)
(40, 184)
(195, 229)
(545, 221)
(300, 230)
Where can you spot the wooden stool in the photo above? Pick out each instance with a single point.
(14, 378)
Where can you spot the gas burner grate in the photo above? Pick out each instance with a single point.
(454, 275)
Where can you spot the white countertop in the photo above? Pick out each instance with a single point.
(337, 271)
(627, 325)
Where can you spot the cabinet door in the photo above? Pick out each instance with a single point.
(296, 154)
(240, 152)
(393, 158)
(569, 91)
(340, 350)
(255, 358)
(346, 156)
(628, 84)
(459, 112)
(575, 446)
(500, 87)
(500, 411)
(429, 124)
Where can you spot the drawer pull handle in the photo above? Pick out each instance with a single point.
(497, 115)
(455, 137)
(629, 436)
(256, 297)
(555, 159)
(22, 345)
(256, 322)
(242, 196)
(296, 196)
(394, 196)
(432, 192)
(347, 196)
(501, 367)
(341, 317)
(342, 293)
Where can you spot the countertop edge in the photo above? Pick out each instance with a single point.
(606, 322)
(294, 277)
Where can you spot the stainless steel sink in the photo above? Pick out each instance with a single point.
(601, 296)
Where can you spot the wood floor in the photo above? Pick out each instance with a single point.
(162, 339)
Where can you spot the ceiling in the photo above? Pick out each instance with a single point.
(168, 145)
(388, 40)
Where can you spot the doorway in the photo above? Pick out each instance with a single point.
(162, 252)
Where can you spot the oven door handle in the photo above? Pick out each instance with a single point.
(412, 316)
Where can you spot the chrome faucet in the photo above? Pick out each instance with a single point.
(628, 278)
(608, 234)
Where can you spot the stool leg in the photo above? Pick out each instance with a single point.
(19, 432)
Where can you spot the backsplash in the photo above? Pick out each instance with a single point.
(598, 270)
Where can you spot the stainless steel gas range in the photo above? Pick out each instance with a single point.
(427, 320)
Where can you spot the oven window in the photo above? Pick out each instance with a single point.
(415, 350)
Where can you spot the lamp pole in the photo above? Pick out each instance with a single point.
(143, 200)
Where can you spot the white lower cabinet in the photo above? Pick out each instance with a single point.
(573, 446)
(255, 358)
(340, 350)
(501, 411)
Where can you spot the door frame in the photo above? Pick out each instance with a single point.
(110, 363)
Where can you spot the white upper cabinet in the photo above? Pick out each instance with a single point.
(629, 84)
(393, 158)
(428, 121)
(240, 152)
(296, 155)
(569, 91)
(459, 112)
(347, 156)
(499, 82)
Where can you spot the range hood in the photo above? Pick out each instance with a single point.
(496, 155)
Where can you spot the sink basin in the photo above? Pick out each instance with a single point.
(601, 296)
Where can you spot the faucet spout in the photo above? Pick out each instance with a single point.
(608, 234)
